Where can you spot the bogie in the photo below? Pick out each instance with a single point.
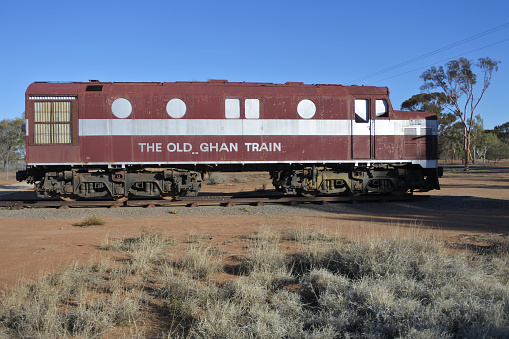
(355, 180)
(116, 185)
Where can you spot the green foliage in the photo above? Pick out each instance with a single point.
(450, 143)
(499, 151)
(457, 81)
(12, 139)
(482, 141)
(502, 131)
(426, 102)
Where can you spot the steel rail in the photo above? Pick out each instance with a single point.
(208, 200)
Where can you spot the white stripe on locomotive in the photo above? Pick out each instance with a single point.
(262, 127)
(423, 163)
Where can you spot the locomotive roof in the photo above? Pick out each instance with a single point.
(81, 86)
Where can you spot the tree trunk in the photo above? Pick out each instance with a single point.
(466, 144)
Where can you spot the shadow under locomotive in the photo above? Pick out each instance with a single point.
(458, 213)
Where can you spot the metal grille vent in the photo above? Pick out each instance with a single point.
(52, 123)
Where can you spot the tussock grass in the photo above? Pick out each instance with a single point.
(263, 256)
(332, 288)
(91, 221)
(309, 236)
(148, 241)
(69, 303)
(199, 262)
(144, 251)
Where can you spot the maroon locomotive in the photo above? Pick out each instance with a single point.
(115, 140)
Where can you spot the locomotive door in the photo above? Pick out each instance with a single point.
(362, 129)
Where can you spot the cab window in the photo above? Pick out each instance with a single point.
(361, 110)
(382, 108)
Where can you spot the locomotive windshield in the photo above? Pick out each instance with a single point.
(361, 110)
(382, 108)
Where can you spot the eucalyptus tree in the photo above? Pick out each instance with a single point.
(12, 141)
(457, 81)
(502, 131)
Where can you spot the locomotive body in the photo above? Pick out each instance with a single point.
(116, 140)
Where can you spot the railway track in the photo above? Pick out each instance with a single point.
(226, 200)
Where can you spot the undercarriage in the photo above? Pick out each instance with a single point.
(117, 184)
(170, 183)
(380, 179)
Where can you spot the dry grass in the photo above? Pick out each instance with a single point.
(147, 241)
(73, 302)
(199, 262)
(91, 221)
(217, 178)
(382, 288)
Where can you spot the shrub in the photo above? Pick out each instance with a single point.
(144, 250)
(91, 221)
(199, 262)
(263, 256)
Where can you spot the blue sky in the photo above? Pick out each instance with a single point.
(316, 41)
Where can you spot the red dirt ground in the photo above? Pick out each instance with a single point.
(30, 248)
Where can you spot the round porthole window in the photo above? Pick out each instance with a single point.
(306, 109)
(121, 108)
(176, 108)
